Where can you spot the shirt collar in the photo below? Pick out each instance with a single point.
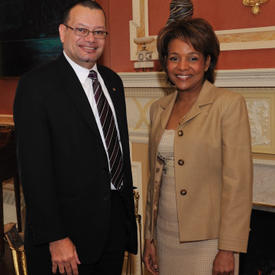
(81, 72)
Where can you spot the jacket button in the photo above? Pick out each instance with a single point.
(183, 192)
(180, 162)
(180, 133)
(157, 170)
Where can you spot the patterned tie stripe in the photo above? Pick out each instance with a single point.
(110, 133)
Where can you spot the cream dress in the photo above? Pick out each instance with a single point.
(174, 257)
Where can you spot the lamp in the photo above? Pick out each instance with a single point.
(254, 4)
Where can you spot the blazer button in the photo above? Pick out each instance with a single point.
(183, 192)
(180, 162)
(180, 133)
(157, 170)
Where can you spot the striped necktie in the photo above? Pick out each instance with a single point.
(110, 133)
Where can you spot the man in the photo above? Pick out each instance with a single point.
(78, 192)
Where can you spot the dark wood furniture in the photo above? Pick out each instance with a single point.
(6, 262)
(8, 170)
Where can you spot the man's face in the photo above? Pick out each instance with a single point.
(84, 51)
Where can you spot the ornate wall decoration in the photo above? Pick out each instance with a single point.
(236, 39)
(138, 117)
(245, 39)
(138, 106)
(259, 116)
(254, 4)
(139, 30)
(261, 111)
(264, 188)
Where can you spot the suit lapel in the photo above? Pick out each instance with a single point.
(164, 110)
(74, 90)
(112, 89)
(195, 110)
(167, 106)
(203, 102)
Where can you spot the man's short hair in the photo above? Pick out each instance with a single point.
(93, 5)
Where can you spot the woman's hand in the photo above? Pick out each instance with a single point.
(149, 257)
(224, 263)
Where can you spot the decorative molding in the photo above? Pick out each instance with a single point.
(241, 39)
(224, 78)
(269, 162)
(144, 79)
(139, 27)
(133, 25)
(247, 39)
(139, 136)
(144, 92)
(246, 78)
(235, 39)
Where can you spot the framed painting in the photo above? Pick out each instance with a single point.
(29, 34)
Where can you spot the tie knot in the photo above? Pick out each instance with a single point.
(93, 75)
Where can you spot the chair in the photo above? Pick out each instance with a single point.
(8, 170)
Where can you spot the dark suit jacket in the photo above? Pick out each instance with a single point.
(63, 164)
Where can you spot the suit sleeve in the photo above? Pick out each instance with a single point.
(36, 167)
(236, 201)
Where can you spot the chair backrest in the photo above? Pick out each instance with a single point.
(8, 164)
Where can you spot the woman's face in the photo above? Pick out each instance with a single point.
(186, 66)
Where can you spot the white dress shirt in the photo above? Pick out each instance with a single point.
(87, 84)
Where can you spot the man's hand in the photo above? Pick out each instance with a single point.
(149, 257)
(64, 257)
(224, 263)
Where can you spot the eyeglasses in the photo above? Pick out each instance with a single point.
(85, 32)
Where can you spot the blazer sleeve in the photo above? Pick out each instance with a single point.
(150, 186)
(35, 158)
(236, 201)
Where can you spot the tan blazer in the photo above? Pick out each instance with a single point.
(213, 168)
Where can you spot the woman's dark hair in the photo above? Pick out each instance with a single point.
(196, 31)
(85, 3)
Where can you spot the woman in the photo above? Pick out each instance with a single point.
(200, 191)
